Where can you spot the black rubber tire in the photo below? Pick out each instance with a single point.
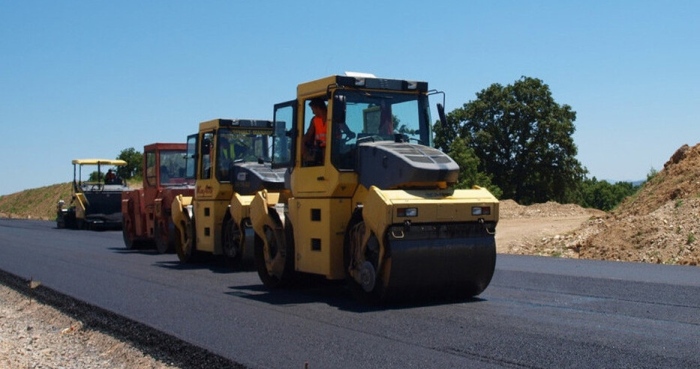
(376, 295)
(187, 253)
(231, 240)
(164, 236)
(280, 254)
(129, 241)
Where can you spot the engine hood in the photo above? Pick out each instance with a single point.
(387, 165)
(250, 177)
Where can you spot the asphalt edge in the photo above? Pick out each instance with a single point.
(157, 344)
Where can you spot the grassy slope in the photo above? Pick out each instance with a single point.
(39, 203)
(36, 203)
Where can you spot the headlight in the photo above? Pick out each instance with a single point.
(481, 210)
(407, 212)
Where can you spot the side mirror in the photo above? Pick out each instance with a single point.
(441, 114)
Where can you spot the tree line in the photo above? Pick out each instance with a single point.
(132, 169)
(517, 141)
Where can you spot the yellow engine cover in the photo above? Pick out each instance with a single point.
(383, 207)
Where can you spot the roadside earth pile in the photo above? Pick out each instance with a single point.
(659, 224)
(36, 203)
(533, 229)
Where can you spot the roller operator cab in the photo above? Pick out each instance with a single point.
(371, 200)
(229, 161)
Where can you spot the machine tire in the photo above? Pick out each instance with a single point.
(375, 294)
(164, 234)
(231, 241)
(177, 241)
(187, 253)
(69, 219)
(275, 265)
(60, 221)
(127, 234)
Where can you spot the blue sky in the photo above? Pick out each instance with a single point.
(85, 79)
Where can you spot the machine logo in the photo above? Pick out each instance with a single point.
(205, 191)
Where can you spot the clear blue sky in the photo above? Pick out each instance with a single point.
(90, 78)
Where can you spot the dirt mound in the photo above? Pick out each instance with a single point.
(526, 230)
(659, 224)
(509, 209)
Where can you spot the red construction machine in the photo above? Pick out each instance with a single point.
(146, 211)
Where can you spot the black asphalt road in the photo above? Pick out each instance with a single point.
(537, 312)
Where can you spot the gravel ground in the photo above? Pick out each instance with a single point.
(40, 328)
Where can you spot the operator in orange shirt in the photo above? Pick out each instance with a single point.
(315, 136)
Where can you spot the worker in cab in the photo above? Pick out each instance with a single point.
(110, 177)
(224, 158)
(315, 136)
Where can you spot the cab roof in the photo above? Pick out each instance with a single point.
(238, 124)
(360, 81)
(116, 162)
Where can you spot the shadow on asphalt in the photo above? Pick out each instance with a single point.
(140, 251)
(314, 290)
(305, 289)
(215, 265)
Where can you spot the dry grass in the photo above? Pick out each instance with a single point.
(40, 203)
(36, 203)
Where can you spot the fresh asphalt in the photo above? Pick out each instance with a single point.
(537, 312)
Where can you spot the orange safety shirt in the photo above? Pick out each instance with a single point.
(319, 130)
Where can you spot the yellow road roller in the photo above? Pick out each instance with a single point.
(367, 197)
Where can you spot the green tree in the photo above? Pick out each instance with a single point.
(652, 174)
(469, 174)
(523, 139)
(603, 195)
(134, 163)
(96, 176)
